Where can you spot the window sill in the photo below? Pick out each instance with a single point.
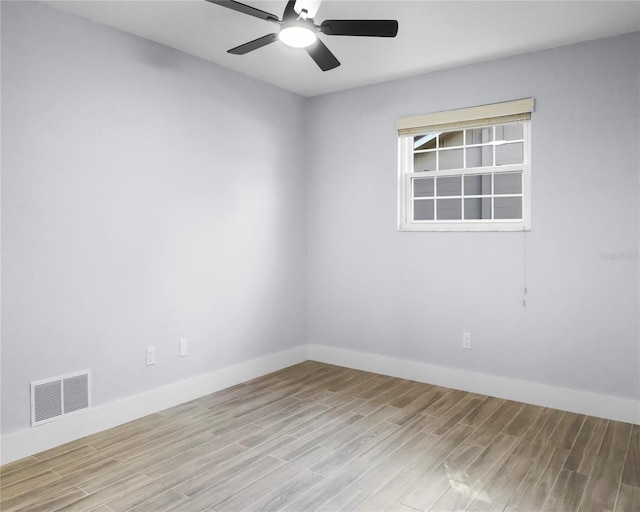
(517, 226)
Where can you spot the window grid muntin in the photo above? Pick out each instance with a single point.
(492, 143)
(407, 175)
(492, 195)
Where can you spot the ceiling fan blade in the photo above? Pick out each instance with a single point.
(372, 28)
(322, 56)
(290, 13)
(246, 9)
(311, 6)
(253, 45)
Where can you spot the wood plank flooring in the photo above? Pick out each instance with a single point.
(316, 437)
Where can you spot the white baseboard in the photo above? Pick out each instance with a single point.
(83, 423)
(31, 441)
(582, 402)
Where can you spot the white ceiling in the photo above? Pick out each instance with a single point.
(432, 35)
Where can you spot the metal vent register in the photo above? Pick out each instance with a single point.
(54, 398)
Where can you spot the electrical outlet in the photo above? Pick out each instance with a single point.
(183, 346)
(466, 340)
(151, 356)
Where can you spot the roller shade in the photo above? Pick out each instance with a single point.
(506, 112)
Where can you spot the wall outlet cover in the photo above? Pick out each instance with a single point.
(151, 356)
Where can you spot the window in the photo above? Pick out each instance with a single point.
(466, 169)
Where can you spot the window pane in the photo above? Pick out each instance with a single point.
(423, 187)
(512, 153)
(508, 208)
(450, 186)
(451, 159)
(512, 131)
(508, 183)
(426, 141)
(477, 184)
(424, 162)
(449, 209)
(477, 208)
(479, 136)
(479, 156)
(423, 209)
(450, 139)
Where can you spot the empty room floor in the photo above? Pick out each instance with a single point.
(317, 437)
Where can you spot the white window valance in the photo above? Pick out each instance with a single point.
(505, 112)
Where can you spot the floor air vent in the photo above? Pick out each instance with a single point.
(54, 398)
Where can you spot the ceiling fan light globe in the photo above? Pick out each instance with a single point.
(297, 36)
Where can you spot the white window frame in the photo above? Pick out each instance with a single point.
(453, 120)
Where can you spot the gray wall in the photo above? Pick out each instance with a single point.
(411, 295)
(146, 196)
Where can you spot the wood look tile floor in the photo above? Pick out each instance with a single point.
(316, 437)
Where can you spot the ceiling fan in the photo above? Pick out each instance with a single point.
(297, 29)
